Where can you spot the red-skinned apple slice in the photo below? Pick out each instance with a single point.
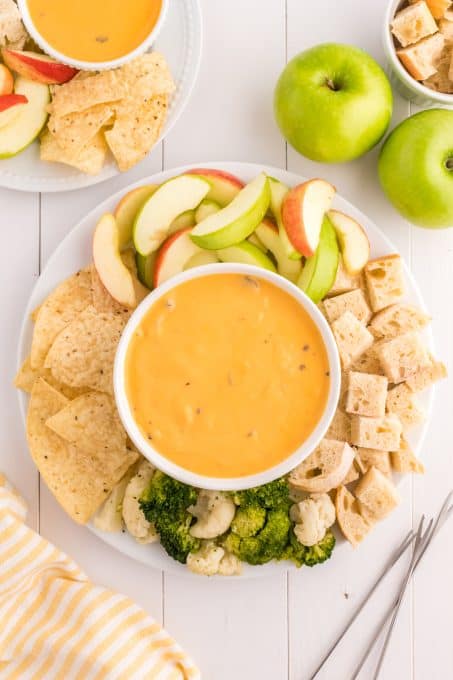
(112, 271)
(173, 255)
(127, 209)
(6, 80)
(38, 67)
(224, 186)
(10, 106)
(354, 243)
(303, 212)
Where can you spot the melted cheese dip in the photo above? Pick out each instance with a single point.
(95, 30)
(227, 375)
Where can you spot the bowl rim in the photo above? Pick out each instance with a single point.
(80, 64)
(389, 46)
(227, 483)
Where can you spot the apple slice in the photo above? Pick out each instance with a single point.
(26, 126)
(201, 258)
(173, 255)
(238, 220)
(246, 253)
(38, 67)
(145, 268)
(253, 238)
(172, 198)
(278, 193)
(354, 243)
(267, 233)
(320, 270)
(224, 186)
(112, 271)
(186, 219)
(6, 80)
(303, 211)
(127, 210)
(10, 106)
(206, 209)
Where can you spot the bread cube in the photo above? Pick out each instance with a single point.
(353, 301)
(404, 461)
(340, 427)
(367, 458)
(353, 474)
(325, 468)
(385, 282)
(450, 68)
(427, 376)
(368, 362)
(383, 433)
(436, 7)
(448, 15)
(350, 520)
(352, 338)
(413, 23)
(344, 282)
(446, 28)
(402, 402)
(402, 356)
(440, 81)
(397, 319)
(366, 394)
(377, 495)
(421, 60)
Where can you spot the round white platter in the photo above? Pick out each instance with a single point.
(74, 252)
(180, 41)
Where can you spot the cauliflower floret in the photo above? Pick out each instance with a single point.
(206, 560)
(312, 517)
(134, 519)
(12, 31)
(109, 517)
(230, 565)
(214, 512)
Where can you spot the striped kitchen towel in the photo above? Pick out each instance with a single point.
(57, 625)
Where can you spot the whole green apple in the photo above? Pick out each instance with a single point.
(416, 168)
(333, 103)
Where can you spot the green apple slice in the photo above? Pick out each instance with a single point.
(145, 268)
(239, 219)
(24, 128)
(206, 209)
(320, 270)
(268, 234)
(200, 259)
(246, 253)
(112, 271)
(253, 238)
(278, 193)
(127, 210)
(172, 198)
(183, 221)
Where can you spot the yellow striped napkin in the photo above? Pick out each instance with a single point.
(57, 625)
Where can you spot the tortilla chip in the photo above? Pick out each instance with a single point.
(62, 306)
(12, 31)
(84, 352)
(147, 76)
(89, 159)
(34, 313)
(136, 130)
(78, 95)
(27, 376)
(80, 481)
(91, 422)
(76, 130)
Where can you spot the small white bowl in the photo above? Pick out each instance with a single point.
(91, 65)
(407, 86)
(227, 484)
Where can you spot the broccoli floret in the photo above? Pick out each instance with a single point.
(268, 544)
(310, 556)
(269, 496)
(248, 520)
(165, 504)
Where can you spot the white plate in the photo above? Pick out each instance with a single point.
(180, 41)
(74, 252)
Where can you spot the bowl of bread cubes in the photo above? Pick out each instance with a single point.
(418, 42)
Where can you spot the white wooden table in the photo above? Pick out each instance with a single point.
(275, 628)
